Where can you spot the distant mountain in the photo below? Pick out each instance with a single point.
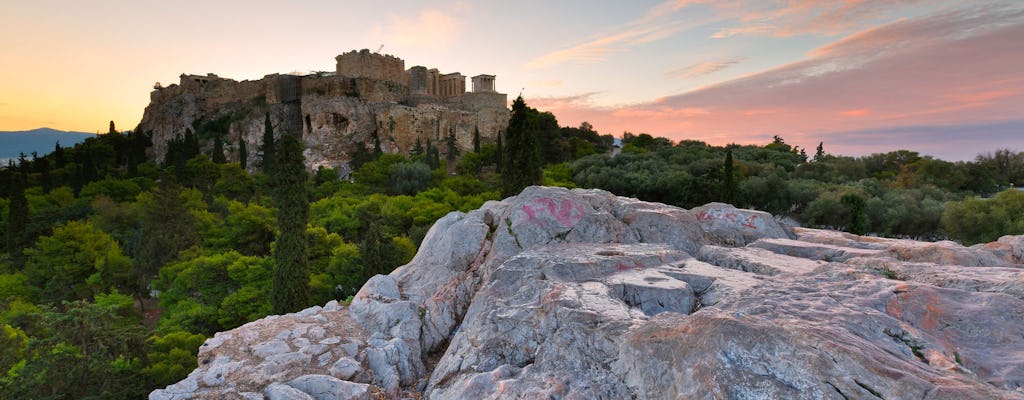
(40, 140)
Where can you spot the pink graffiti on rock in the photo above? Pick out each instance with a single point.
(736, 219)
(543, 210)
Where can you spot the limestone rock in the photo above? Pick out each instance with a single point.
(581, 294)
(323, 387)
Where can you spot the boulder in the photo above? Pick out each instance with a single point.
(581, 294)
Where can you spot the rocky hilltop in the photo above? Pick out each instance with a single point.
(370, 98)
(580, 294)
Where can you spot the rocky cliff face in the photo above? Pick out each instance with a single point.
(584, 295)
(332, 114)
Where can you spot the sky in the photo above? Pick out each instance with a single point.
(944, 78)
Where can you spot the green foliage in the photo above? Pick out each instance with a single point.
(17, 221)
(88, 350)
(171, 357)
(979, 220)
(559, 175)
(194, 291)
(168, 228)
(15, 286)
(858, 217)
(76, 262)
(729, 186)
(120, 190)
(13, 346)
(409, 178)
(249, 228)
(243, 154)
(290, 285)
(521, 162)
(268, 149)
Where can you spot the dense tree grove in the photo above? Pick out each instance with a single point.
(116, 268)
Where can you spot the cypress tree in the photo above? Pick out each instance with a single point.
(268, 147)
(137, 143)
(374, 251)
(452, 148)
(289, 289)
(859, 223)
(521, 163)
(191, 148)
(377, 151)
(17, 219)
(497, 154)
(243, 154)
(435, 159)
(476, 139)
(417, 148)
(729, 189)
(58, 156)
(218, 151)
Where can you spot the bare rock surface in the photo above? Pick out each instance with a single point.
(580, 294)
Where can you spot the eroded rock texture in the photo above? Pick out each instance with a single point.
(584, 295)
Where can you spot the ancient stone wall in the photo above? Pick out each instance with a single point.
(282, 88)
(364, 64)
(478, 101)
(370, 96)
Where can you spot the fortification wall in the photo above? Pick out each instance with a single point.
(282, 88)
(478, 101)
(364, 64)
(370, 96)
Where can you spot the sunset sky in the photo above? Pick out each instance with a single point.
(945, 78)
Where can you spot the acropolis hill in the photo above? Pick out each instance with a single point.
(370, 97)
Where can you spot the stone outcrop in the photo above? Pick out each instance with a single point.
(367, 100)
(584, 295)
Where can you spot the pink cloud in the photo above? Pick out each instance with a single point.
(798, 17)
(855, 113)
(657, 24)
(703, 68)
(957, 68)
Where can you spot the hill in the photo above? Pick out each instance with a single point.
(583, 294)
(42, 140)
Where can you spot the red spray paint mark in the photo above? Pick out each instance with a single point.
(567, 213)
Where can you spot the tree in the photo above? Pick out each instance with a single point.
(218, 151)
(78, 261)
(819, 153)
(243, 154)
(476, 139)
(498, 151)
(452, 148)
(17, 219)
(268, 149)
(172, 356)
(729, 187)
(858, 218)
(58, 156)
(417, 148)
(521, 163)
(290, 284)
(167, 228)
(89, 350)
